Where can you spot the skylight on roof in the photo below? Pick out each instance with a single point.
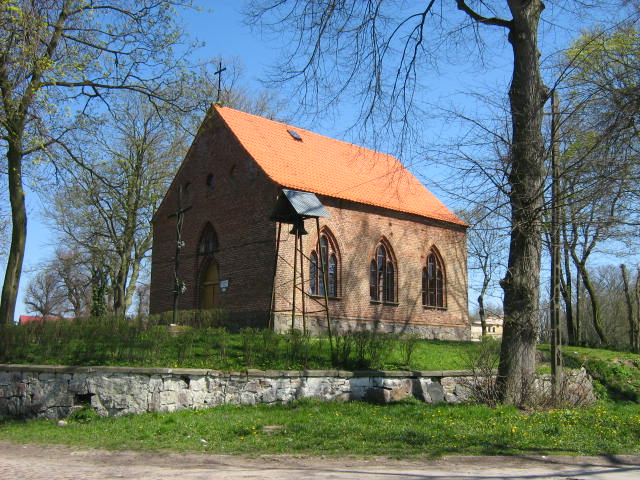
(295, 135)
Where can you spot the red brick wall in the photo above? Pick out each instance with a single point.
(238, 206)
(357, 229)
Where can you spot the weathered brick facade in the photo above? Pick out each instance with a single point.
(226, 188)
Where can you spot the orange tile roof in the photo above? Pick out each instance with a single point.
(333, 168)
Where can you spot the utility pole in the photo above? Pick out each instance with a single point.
(556, 352)
(179, 286)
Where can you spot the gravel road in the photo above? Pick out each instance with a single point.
(22, 462)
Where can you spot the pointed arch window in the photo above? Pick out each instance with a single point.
(382, 275)
(325, 254)
(434, 289)
(208, 241)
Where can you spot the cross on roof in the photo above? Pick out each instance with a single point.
(219, 74)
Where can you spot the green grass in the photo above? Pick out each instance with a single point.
(117, 342)
(404, 429)
(616, 372)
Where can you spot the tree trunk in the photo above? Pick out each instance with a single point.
(595, 305)
(527, 96)
(636, 320)
(481, 313)
(629, 302)
(567, 293)
(98, 289)
(130, 206)
(578, 307)
(483, 320)
(18, 233)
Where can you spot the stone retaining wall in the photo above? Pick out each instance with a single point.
(55, 392)
(318, 326)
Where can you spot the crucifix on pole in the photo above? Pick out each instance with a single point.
(179, 286)
(219, 74)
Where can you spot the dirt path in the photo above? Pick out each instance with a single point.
(20, 462)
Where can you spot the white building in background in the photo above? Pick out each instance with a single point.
(494, 327)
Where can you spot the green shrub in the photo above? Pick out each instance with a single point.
(408, 345)
(299, 348)
(84, 415)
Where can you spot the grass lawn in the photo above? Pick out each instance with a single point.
(404, 429)
(118, 342)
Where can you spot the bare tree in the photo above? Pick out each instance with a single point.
(143, 297)
(633, 310)
(123, 162)
(486, 245)
(600, 169)
(347, 47)
(70, 266)
(56, 54)
(46, 296)
(104, 207)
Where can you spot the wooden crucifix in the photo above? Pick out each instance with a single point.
(179, 286)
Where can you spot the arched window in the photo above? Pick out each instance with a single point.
(382, 274)
(325, 255)
(208, 241)
(434, 291)
(313, 274)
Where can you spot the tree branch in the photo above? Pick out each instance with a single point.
(499, 22)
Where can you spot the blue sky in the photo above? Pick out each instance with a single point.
(219, 24)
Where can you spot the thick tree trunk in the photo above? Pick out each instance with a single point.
(18, 234)
(15, 117)
(527, 97)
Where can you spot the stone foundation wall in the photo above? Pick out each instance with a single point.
(318, 326)
(55, 392)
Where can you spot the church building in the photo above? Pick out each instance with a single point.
(384, 255)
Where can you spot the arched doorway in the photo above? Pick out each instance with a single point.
(209, 287)
(208, 279)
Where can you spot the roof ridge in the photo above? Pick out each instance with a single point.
(296, 127)
(336, 168)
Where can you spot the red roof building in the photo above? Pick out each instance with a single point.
(35, 318)
(395, 254)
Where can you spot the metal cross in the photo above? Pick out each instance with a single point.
(219, 74)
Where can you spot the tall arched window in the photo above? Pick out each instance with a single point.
(208, 241)
(434, 289)
(325, 254)
(382, 274)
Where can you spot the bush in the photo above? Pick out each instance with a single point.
(84, 415)
(299, 344)
(408, 345)
(483, 364)
(362, 349)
